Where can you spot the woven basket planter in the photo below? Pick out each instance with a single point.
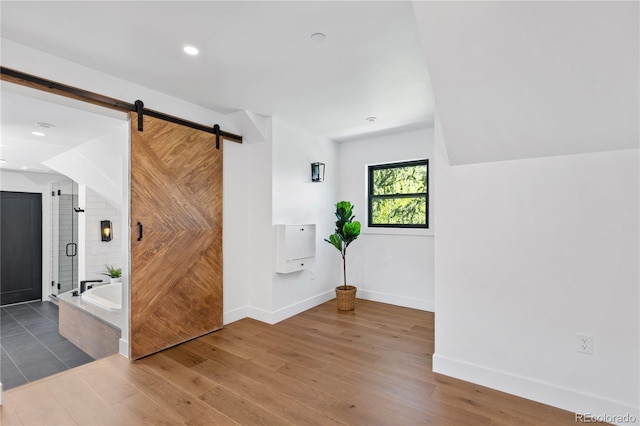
(346, 298)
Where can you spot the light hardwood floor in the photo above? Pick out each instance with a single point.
(368, 367)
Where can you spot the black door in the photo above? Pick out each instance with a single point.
(20, 247)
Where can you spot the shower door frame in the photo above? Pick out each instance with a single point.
(64, 247)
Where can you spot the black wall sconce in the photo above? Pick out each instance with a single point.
(106, 230)
(317, 172)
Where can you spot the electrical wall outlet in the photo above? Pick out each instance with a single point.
(584, 343)
(312, 274)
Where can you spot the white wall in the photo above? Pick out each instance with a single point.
(258, 225)
(37, 183)
(235, 233)
(297, 201)
(278, 190)
(98, 253)
(389, 265)
(529, 253)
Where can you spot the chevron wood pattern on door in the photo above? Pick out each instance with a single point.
(176, 269)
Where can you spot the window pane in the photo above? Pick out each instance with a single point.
(399, 211)
(400, 180)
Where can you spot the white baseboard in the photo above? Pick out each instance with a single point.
(546, 393)
(273, 317)
(303, 305)
(392, 299)
(123, 347)
(259, 314)
(234, 315)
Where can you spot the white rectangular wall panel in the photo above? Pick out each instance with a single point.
(295, 247)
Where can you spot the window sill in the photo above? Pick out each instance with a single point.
(417, 232)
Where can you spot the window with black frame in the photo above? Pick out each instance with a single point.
(398, 195)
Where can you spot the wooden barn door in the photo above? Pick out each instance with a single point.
(176, 206)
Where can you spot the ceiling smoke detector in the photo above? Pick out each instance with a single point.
(45, 125)
(371, 119)
(318, 37)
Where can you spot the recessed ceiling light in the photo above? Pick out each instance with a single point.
(3, 161)
(38, 134)
(45, 125)
(190, 50)
(24, 168)
(318, 37)
(371, 119)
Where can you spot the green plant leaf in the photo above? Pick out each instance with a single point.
(344, 208)
(351, 231)
(113, 272)
(335, 241)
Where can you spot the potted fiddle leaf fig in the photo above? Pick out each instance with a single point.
(347, 230)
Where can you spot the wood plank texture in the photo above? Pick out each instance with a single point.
(176, 271)
(371, 366)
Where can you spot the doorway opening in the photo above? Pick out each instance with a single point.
(76, 166)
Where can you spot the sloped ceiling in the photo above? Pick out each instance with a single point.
(516, 80)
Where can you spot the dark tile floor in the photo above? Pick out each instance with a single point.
(31, 346)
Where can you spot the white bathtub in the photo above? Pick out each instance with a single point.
(108, 297)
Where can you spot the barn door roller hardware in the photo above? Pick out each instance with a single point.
(216, 130)
(142, 111)
(29, 80)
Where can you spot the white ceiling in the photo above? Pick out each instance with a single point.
(257, 56)
(75, 123)
(529, 79)
(511, 79)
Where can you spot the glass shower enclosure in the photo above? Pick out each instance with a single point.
(64, 238)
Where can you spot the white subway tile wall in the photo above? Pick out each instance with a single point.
(99, 253)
